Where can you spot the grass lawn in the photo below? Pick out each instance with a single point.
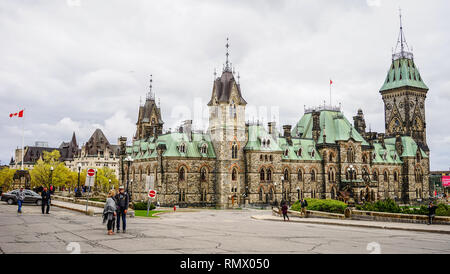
(143, 213)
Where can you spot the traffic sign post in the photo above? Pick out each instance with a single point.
(90, 177)
(151, 195)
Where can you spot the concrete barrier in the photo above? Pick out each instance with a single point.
(78, 201)
(396, 217)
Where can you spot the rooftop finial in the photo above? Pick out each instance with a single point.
(227, 63)
(239, 78)
(402, 41)
(150, 94)
(215, 74)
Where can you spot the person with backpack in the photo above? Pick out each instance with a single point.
(303, 205)
(110, 212)
(46, 200)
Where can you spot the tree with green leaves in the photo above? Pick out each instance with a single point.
(41, 174)
(6, 178)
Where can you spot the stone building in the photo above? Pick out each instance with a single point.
(97, 153)
(324, 155)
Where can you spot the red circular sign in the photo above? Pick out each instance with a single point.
(91, 172)
(152, 193)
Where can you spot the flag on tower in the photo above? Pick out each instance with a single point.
(19, 114)
(331, 82)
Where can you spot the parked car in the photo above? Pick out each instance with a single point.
(31, 197)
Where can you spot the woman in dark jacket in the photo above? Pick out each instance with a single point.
(284, 210)
(109, 212)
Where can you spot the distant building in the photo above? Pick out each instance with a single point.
(97, 153)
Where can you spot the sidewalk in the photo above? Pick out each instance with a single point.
(445, 229)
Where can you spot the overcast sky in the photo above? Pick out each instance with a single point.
(78, 65)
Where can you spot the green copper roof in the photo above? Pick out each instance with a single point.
(403, 72)
(257, 135)
(146, 149)
(387, 155)
(409, 146)
(307, 147)
(335, 125)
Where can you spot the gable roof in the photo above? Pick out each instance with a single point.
(223, 87)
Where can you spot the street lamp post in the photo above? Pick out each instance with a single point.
(131, 190)
(129, 160)
(110, 184)
(78, 193)
(51, 176)
(351, 170)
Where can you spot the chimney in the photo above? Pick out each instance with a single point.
(381, 139)
(316, 125)
(273, 130)
(187, 128)
(287, 133)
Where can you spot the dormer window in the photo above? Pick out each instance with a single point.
(264, 143)
(299, 152)
(385, 155)
(286, 152)
(204, 149)
(182, 148)
(313, 153)
(268, 143)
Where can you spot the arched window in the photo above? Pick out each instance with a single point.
(299, 152)
(271, 158)
(364, 158)
(286, 174)
(181, 174)
(286, 153)
(203, 174)
(375, 175)
(300, 175)
(234, 175)
(266, 158)
(182, 148)
(313, 175)
(234, 151)
(331, 157)
(260, 194)
(269, 174)
(395, 176)
(204, 149)
(271, 194)
(261, 174)
(350, 155)
(385, 176)
(260, 157)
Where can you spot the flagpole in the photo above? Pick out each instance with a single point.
(23, 137)
(330, 92)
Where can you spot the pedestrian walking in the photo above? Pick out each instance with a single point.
(303, 205)
(122, 200)
(20, 198)
(284, 210)
(110, 212)
(431, 212)
(46, 200)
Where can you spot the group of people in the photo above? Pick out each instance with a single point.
(116, 207)
(284, 209)
(46, 199)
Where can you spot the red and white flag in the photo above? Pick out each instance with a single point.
(331, 82)
(18, 114)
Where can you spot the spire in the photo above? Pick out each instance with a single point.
(227, 66)
(401, 40)
(74, 140)
(150, 94)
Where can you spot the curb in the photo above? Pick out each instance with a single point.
(90, 212)
(361, 225)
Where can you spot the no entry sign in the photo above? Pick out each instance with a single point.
(90, 172)
(152, 193)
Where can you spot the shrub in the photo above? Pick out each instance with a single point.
(326, 205)
(387, 205)
(142, 206)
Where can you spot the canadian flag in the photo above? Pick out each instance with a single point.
(331, 82)
(19, 114)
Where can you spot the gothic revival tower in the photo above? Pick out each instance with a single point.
(149, 123)
(404, 94)
(227, 131)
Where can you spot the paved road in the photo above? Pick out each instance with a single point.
(205, 231)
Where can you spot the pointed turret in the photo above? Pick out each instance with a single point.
(404, 94)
